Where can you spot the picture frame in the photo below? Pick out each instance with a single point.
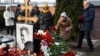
(24, 36)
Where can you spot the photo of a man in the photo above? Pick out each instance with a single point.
(24, 36)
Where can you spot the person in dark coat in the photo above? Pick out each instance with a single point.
(87, 27)
(18, 12)
(35, 12)
(45, 18)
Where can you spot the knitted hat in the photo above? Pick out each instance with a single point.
(63, 14)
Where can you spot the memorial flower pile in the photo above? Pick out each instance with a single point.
(6, 50)
(49, 46)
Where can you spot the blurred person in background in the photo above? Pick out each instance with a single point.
(87, 26)
(65, 25)
(46, 19)
(9, 20)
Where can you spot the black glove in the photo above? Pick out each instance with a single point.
(12, 18)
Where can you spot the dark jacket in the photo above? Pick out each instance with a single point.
(36, 25)
(88, 18)
(45, 20)
(35, 12)
(17, 13)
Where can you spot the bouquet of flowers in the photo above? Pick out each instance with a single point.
(44, 36)
(6, 50)
(80, 17)
(46, 41)
(80, 21)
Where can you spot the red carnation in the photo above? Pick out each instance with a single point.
(47, 31)
(52, 40)
(81, 17)
(48, 36)
(35, 35)
(53, 28)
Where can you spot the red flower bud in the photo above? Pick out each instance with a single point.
(53, 28)
(81, 17)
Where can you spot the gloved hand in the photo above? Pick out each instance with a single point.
(12, 18)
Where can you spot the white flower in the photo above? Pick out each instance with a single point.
(44, 33)
(9, 49)
(40, 32)
(56, 43)
(76, 55)
(53, 38)
(2, 45)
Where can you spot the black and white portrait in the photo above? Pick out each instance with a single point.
(24, 35)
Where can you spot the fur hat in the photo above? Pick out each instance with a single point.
(45, 8)
(45, 5)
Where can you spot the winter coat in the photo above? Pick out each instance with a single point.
(65, 27)
(35, 12)
(7, 16)
(36, 25)
(17, 13)
(88, 18)
(45, 20)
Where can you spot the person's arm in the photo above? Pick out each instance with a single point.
(58, 24)
(16, 13)
(70, 25)
(91, 15)
(5, 15)
(12, 14)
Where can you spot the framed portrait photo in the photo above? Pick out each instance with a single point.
(24, 36)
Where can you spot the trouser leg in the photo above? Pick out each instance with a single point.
(87, 33)
(80, 40)
(8, 29)
(12, 29)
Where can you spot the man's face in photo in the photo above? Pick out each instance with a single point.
(24, 34)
